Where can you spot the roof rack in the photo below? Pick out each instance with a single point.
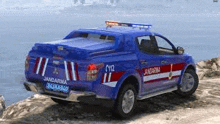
(132, 25)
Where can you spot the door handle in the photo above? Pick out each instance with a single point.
(163, 62)
(143, 62)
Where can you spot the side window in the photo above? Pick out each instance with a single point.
(163, 46)
(147, 44)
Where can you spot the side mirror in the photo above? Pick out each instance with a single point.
(180, 50)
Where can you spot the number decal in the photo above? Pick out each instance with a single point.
(110, 68)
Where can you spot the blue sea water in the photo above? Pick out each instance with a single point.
(194, 25)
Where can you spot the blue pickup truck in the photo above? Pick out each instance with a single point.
(123, 62)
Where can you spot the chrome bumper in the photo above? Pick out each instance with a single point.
(72, 96)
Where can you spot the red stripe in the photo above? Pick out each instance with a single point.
(36, 63)
(69, 70)
(117, 75)
(178, 66)
(163, 69)
(161, 79)
(42, 65)
(114, 77)
(76, 70)
(102, 79)
(106, 78)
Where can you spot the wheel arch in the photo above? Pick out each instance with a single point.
(133, 79)
(189, 66)
(192, 70)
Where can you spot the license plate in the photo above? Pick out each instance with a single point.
(57, 87)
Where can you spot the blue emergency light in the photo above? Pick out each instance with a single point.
(132, 25)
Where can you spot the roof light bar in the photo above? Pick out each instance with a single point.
(140, 26)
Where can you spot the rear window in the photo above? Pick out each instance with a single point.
(96, 37)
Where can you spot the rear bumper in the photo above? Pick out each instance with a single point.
(72, 96)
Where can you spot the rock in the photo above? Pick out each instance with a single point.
(201, 65)
(213, 64)
(2, 104)
(208, 69)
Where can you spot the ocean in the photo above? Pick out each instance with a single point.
(194, 25)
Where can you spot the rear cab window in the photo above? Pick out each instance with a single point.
(95, 37)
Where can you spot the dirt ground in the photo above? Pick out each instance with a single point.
(201, 108)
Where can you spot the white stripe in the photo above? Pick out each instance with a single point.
(177, 73)
(111, 84)
(156, 76)
(38, 66)
(161, 75)
(104, 80)
(109, 77)
(66, 71)
(73, 71)
(45, 66)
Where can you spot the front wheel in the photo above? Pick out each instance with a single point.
(188, 84)
(125, 102)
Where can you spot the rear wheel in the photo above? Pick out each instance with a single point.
(189, 83)
(126, 102)
(62, 102)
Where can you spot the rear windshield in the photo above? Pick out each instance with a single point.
(96, 37)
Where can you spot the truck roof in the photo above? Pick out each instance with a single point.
(122, 28)
(114, 31)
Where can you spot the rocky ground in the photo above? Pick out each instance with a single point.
(201, 108)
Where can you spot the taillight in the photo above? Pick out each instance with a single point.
(92, 71)
(27, 62)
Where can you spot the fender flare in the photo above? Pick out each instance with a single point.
(121, 81)
(190, 65)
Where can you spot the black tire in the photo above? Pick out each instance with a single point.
(192, 83)
(126, 90)
(59, 101)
